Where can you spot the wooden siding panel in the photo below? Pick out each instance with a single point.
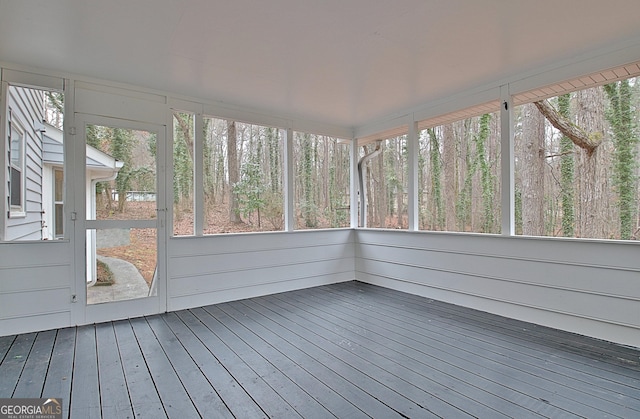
(604, 308)
(223, 262)
(242, 278)
(588, 287)
(27, 108)
(35, 286)
(554, 274)
(212, 269)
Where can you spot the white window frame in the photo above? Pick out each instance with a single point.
(55, 203)
(17, 211)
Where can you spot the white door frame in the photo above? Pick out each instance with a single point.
(82, 312)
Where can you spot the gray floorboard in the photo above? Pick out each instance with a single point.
(114, 394)
(200, 391)
(491, 361)
(13, 364)
(5, 344)
(236, 399)
(473, 381)
(85, 388)
(145, 400)
(60, 372)
(348, 350)
(32, 378)
(255, 384)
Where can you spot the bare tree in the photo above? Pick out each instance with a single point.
(533, 155)
(587, 133)
(449, 172)
(234, 172)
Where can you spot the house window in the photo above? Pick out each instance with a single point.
(16, 168)
(58, 205)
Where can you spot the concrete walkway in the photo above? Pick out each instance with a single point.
(129, 284)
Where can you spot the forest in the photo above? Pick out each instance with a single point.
(576, 172)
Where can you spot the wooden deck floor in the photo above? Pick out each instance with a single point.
(345, 350)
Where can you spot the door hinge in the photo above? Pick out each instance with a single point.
(74, 216)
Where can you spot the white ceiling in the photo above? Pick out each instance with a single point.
(341, 62)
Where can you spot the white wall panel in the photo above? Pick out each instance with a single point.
(35, 286)
(212, 269)
(588, 287)
(114, 102)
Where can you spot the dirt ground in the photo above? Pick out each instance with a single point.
(141, 252)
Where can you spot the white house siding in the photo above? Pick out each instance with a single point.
(35, 286)
(588, 287)
(27, 107)
(212, 269)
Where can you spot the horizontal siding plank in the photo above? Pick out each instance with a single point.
(601, 307)
(547, 273)
(35, 278)
(34, 254)
(248, 277)
(253, 242)
(213, 263)
(34, 322)
(598, 253)
(31, 303)
(236, 293)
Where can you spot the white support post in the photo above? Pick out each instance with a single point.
(289, 196)
(507, 162)
(74, 150)
(198, 175)
(4, 109)
(353, 187)
(413, 152)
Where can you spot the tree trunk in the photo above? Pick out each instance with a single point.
(234, 172)
(533, 154)
(449, 169)
(567, 169)
(400, 172)
(591, 171)
(620, 117)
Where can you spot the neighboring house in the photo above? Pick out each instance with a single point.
(35, 186)
(100, 167)
(24, 213)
